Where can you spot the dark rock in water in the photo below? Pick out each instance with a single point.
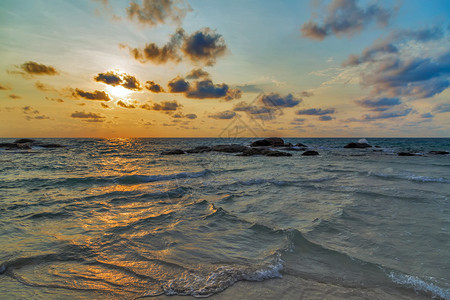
(301, 145)
(274, 142)
(406, 154)
(9, 146)
(310, 153)
(274, 153)
(173, 152)
(251, 152)
(357, 146)
(233, 148)
(289, 145)
(50, 145)
(199, 149)
(439, 152)
(22, 141)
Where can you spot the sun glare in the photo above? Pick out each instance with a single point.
(119, 91)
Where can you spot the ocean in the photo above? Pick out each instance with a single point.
(115, 219)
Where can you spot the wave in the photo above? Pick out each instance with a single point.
(410, 177)
(418, 284)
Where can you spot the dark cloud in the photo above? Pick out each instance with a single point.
(59, 100)
(124, 105)
(197, 74)
(380, 104)
(325, 118)
(257, 111)
(204, 46)
(34, 68)
(96, 95)
(388, 115)
(5, 87)
(426, 116)
(14, 96)
(442, 108)
(106, 106)
(420, 77)
(154, 12)
(44, 87)
(112, 78)
(88, 116)
(224, 115)
(390, 45)
(316, 111)
(276, 100)
(178, 85)
(29, 110)
(345, 17)
(160, 55)
(154, 87)
(165, 106)
(203, 89)
(187, 116)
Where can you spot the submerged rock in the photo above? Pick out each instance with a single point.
(439, 152)
(262, 151)
(22, 141)
(26, 144)
(173, 152)
(233, 148)
(406, 154)
(199, 149)
(301, 145)
(310, 153)
(357, 146)
(274, 142)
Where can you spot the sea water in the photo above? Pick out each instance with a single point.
(115, 219)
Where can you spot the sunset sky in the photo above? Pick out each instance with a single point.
(197, 68)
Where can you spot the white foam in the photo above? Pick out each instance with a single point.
(362, 141)
(418, 284)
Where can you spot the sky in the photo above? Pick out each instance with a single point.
(214, 68)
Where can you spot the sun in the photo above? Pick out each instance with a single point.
(119, 91)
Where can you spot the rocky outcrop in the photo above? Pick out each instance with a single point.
(233, 148)
(310, 153)
(27, 144)
(439, 152)
(301, 145)
(357, 146)
(406, 154)
(173, 152)
(262, 151)
(273, 142)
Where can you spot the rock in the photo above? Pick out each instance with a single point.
(274, 153)
(51, 145)
(22, 141)
(233, 148)
(289, 145)
(310, 153)
(357, 146)
(301, 145)
(173, 152)
(406, 154)
(251, 152)
(274, 142)
(439, 152)
(9, 145)
(199, 149)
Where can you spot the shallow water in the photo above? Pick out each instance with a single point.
(115, 218)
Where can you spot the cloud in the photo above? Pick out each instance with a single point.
(325, 118)
(165, 106)
(203, 89)
(14, 96)
(276, 100)
(442, 108)
(201, 47)
(345, 17)
(388, 115)
(315, 111)
(380, 104)
(178, 85)
(426, 116)
(306, 94)
(5, 87)
(112, 78)
(106, 106)
(33, 114)
(250, 88)
(187, 116)
(257, 111)
(154, 87)
(124, 105)
(224, 115)
(154, 12)
(197, 74)
(33, 68)
(160, 55)
(390, 45)
(204, 46)
(44, 87)
(96, 95)
(88, 116)
(59, 100)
